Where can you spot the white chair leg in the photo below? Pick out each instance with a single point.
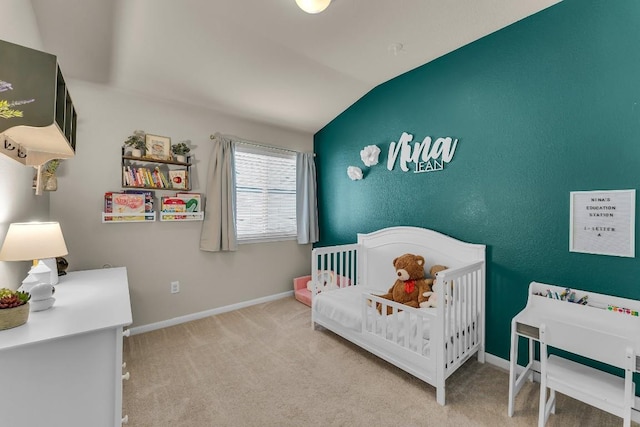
(552, 402)
(629, 392)
(628, 403)
(513, 374)
(542, 406)
(532, 347)
(543, 413)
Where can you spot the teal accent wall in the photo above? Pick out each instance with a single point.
(546, 106)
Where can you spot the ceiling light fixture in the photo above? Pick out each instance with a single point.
(313, 6)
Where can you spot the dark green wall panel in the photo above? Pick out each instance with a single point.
(546, 106)
(31, 76)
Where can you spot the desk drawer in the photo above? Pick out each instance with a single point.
(528, 331)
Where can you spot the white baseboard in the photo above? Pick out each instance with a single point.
(496, 361)
(195, 316)
(504, 364)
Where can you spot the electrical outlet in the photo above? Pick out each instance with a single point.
(175, 287)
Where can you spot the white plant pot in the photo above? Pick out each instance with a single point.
(181, 158)
(136, 152)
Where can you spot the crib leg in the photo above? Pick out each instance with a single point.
(440, 395)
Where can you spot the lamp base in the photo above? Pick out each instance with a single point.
(44, 271)
(43, 304)
(52, 263)
(39, 283)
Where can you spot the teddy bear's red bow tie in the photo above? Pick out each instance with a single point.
(409, 286)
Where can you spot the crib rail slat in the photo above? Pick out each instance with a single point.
(462, 313)
(339, 262)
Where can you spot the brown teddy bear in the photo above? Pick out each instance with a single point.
(411, 283)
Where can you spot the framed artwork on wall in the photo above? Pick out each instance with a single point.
(158, 147)
(603, 222)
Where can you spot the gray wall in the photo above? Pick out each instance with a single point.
(18, 202)
(154, 253)
(157, 253)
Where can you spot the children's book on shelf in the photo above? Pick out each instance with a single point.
(108, 202)
(162, 179)
(173, 204)
(144, 177)
(125, 203)
(178, 179)
(193, 201)
(148, 198)
(128, 203)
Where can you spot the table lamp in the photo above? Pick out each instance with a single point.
(40, 242)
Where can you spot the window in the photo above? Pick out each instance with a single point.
(265, 193)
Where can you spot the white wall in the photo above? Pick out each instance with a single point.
(17, 200)
(18, 24)
(159, 252)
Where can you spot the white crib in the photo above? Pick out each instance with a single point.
(429, 343)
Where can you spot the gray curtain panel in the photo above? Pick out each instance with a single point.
(306, 203)
(219, 225)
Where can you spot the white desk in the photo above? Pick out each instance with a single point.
(63, 368)
(527, 323)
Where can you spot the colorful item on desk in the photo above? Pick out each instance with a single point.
(566, 295)
(583, 300)
(622, 310)
(552, 294)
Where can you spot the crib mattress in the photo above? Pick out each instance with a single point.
(344, 306)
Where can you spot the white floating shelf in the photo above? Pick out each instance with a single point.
(118, 218)
(181, 216)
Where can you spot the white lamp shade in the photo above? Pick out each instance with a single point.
(33, 240)
(313, 6)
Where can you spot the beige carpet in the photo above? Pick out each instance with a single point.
(265, 366)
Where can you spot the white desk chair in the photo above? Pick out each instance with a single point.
(597, 388)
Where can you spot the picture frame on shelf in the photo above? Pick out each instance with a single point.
(158, 147)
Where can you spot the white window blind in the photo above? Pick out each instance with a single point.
(265, 193)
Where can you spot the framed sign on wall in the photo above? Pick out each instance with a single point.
(603, 222)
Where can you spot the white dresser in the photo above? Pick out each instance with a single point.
(63, 368)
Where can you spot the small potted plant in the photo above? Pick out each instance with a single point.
(49, 175)
(14, 308)
(49, 181)
(180, 150)
(136, 142)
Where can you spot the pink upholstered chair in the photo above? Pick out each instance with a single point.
(300, 290)
(326, 280)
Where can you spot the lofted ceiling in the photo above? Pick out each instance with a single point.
(264, 60)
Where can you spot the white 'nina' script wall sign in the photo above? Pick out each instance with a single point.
(427, 156)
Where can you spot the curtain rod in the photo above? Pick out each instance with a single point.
(257, 144)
